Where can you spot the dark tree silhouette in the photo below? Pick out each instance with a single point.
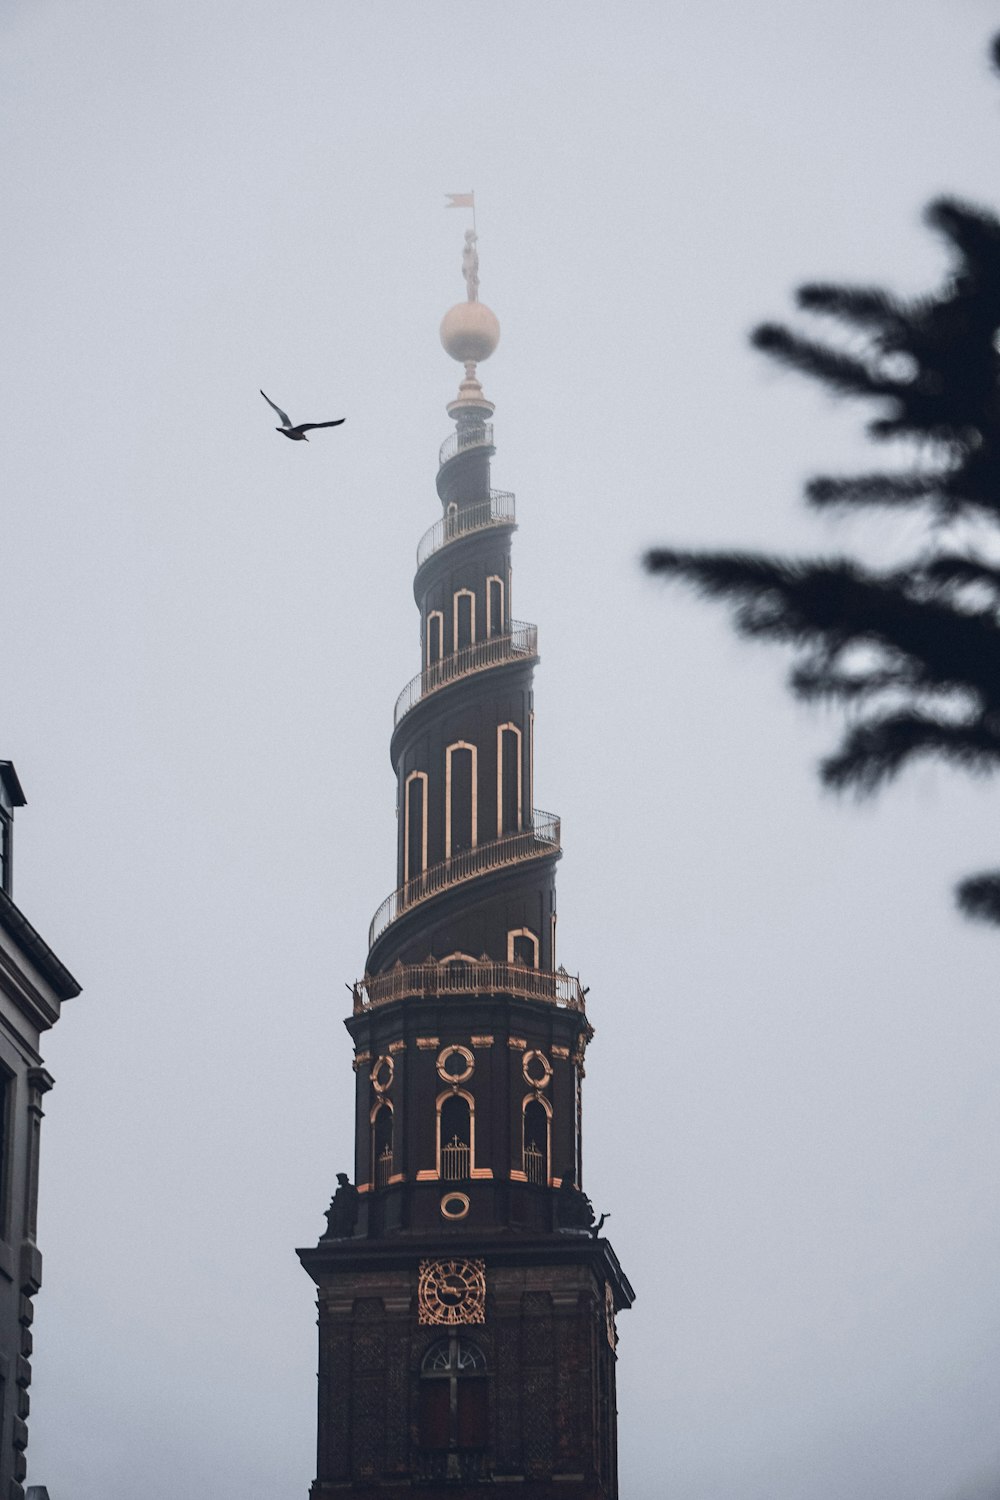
(912, 651)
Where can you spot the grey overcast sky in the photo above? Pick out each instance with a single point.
(792, 1108)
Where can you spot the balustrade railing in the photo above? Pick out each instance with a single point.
(462, 976)
(470, 437)
(455, 1160)
(541, 838)
(534, 1164)
(383, 1167)
(498, 510)
(491, 652)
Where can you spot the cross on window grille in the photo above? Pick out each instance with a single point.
(455, 1160)
(534, 1164)
(383, 1167)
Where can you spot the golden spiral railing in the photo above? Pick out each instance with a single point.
(498, 510)
(542, 838)
(495, 650)
(471, 437)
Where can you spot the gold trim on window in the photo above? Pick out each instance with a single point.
(420, 776)
(503, 729)
(437, 616)
(494, 627)
(516, 932)
(463, 594)
(460, 745)
(438, 1106)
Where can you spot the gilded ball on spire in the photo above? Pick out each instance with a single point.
(470, 332)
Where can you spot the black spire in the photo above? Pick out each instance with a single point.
(461, 1279)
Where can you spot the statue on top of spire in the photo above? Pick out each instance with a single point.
(470, 265)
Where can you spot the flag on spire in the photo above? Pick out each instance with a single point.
(460, 200)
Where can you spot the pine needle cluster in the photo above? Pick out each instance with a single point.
(912, 651)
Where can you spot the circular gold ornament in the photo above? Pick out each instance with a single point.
(455, 1064)
(382, 1075)
(451, 1292)
(537, 1069)
(454, 1206)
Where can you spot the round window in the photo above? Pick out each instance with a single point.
(454, 1206)
(382, 1074)
(537, 1069)
(455, 1064)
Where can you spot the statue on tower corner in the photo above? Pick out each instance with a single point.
(574, 1210)
(342, 1215)
(470, 265)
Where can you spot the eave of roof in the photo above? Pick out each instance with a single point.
(15, 791)
(13, 920)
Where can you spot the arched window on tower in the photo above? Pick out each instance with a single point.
(415, 828)
(536, 1142)
(455, 1139)
(382, 1144)
(508, 779)
(465, 619)
(461, 798)
(453, 1401)
(435, 637)
(495, 620)
(522, 947)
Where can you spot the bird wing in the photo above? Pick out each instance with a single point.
(308, 426)
(282, 414)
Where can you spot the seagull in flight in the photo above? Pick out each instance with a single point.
(298, 434)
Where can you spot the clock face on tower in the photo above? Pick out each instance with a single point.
(452, 1291)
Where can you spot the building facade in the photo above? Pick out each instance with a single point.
(466, 1299)
(33, 985)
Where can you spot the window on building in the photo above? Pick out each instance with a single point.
(382, 1145)
(465, 619)
(455, 1138)
(7, 1086)
(509, 754)
(453, 1395)
(435, 632)
(461, 833)
(415, 833)
(495, 624)
(536, 1143)
(522, 948)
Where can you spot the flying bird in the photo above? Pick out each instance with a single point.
(298, 434)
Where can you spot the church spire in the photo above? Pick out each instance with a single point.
(462, 1277)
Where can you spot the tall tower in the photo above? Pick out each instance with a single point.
(466, 1300)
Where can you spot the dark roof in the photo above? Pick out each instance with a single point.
(37, 949)
(14, 789)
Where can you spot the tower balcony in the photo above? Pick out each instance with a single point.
(496, 650)
(461, 976)
(478, 436)
(541, 839)
(498, 510)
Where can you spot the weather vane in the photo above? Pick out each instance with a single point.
(470, 255)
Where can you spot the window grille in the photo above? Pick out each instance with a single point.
(534, 1164)
(383, 1166)
(455, 1160)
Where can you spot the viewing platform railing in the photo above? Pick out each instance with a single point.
(542, 838)
(498, 510)
(461, 976)
(475, 437)
(522, 642)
